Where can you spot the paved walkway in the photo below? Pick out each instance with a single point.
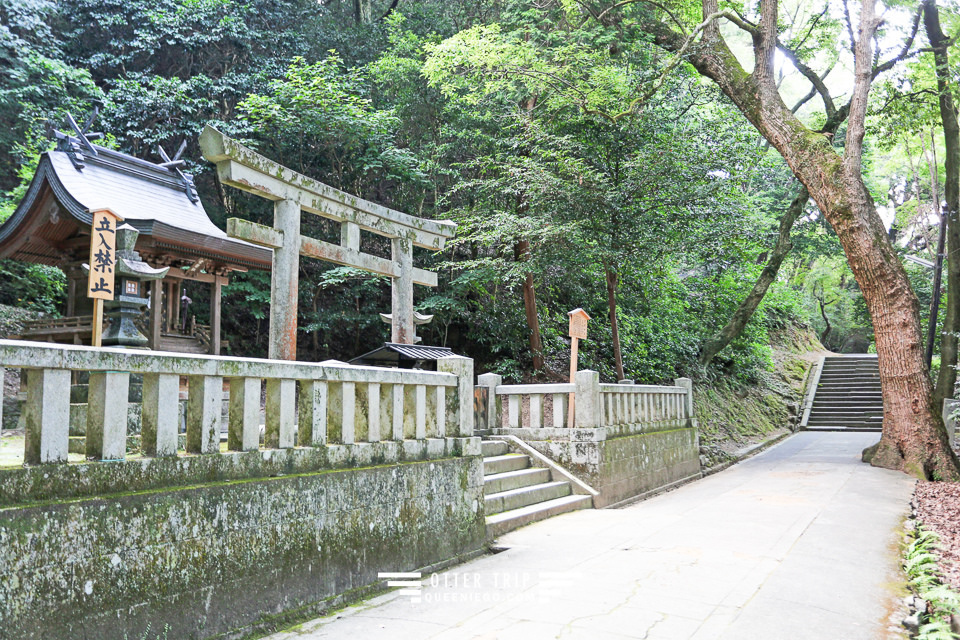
(798, 542)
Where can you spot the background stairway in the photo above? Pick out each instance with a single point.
(516, 494)
(848, 396)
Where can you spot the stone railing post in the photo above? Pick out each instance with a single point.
(47, 416)
(161, 392)
(243, 427)
(687, 384)
(107, 415)
(204, 406)
(280, 430)
(587, 403)
(463, 369)
(491, 381)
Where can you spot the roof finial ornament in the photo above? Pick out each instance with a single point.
(75, 145)
(174, 165)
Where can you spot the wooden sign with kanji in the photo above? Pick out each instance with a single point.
(103, 254)
(578, 323)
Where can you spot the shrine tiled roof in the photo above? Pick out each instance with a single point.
(159, 201)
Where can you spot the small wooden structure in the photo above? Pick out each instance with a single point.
(52, 226)
(404, 356)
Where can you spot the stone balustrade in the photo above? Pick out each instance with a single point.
(307, 404)
(627, 403)
(522, 406)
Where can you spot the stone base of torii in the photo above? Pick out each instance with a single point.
(292, 192)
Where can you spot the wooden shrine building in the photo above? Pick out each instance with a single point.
(52, 226)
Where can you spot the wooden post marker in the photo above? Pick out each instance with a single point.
(103, 262)
(578, 331)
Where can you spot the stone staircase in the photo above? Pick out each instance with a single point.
(516, 493)
(847, 397)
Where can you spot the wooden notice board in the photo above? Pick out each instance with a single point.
(103, 263)
(578, 324)
(103, 254)
(577, 332)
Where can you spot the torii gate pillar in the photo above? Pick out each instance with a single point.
(285, 281)
(401, 303)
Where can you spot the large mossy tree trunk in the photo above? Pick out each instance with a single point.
(745, 310)
(939, 42)
(914, 439)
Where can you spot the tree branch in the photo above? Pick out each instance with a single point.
(812, 76)
(853, 41)
(863, 77)
(904, 52)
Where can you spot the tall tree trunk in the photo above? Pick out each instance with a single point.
(947, 378)
(521, 252)
(613, 279)
(914, 438)
(744, 312)
(826, 321)
(928, 238)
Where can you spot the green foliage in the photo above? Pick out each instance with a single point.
(920, 563)
(32, 286)
(566, 150)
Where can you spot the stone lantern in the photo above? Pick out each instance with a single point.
(132, 274)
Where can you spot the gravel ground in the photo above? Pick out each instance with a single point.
(938, 508)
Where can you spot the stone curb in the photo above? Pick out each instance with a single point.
(748, 452)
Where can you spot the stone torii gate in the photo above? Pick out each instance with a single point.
(292, 192)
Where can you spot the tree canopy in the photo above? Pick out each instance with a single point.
(694, 175)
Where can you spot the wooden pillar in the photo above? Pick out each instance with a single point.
(402, 330)
(170, 304)
(284, 283)
(71, 296)
(216, 291)
(156, 313)
(175, 304)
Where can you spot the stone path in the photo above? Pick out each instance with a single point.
(798, 542)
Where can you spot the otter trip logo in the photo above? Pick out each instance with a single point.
(409, 583)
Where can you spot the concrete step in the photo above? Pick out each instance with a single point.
(501, 523)
(504, 463)
(514, 480)
(492, 448)
(846, 423)
(858, 429)
(839, 392)
(855, 409)
(524, 496)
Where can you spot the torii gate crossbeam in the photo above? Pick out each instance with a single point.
(292, 192)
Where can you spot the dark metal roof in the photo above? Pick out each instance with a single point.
(150, 197)
(397, 354)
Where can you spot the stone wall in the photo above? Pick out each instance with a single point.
(622, 467)
(223, 557)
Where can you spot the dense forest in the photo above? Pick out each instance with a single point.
(585, 160)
